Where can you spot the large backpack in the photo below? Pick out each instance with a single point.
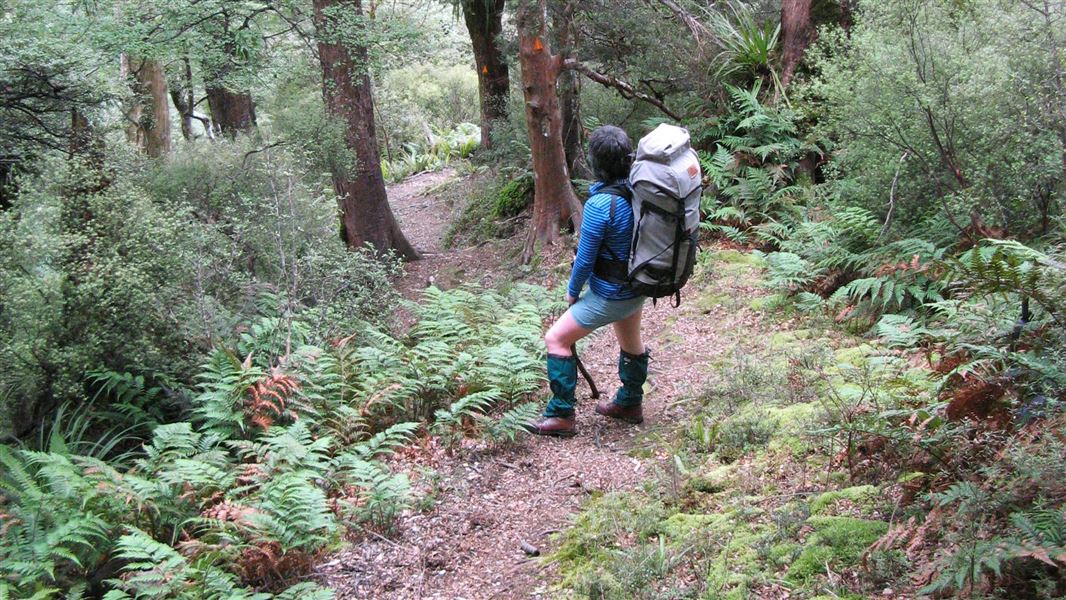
(665, 199)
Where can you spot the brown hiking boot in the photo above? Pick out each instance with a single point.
(629, 414)
(553, 426)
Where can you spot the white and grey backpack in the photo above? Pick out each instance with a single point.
(665, 181)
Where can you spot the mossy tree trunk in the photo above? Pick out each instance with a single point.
(570, 94)
(149, 116)
(232, 112)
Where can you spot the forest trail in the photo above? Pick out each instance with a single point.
(488, 502)
(425, 217)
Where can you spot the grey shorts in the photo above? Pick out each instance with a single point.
(592, 311)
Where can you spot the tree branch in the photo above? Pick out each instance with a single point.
(892, 196)
(699, 30)
(624, 88)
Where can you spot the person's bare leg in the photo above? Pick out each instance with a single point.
(564, 333)
(628, 333)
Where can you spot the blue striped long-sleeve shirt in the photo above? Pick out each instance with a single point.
(599, 232)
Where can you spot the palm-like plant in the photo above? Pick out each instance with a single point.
(747, 47)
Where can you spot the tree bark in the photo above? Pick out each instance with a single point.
(569, 87)
(232, 112)
(365, 213)
(182, 97)
(484, 21)
(797, 33)
(149, 125)
(554, 200)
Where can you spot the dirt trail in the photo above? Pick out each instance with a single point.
(468, 545)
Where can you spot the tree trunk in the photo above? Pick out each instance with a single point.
(184, 100)
(796, 33)
(151, 128)
(569, 87)
(135, 110)
(484, 21)
(573, 131)
(365, 213)
(553, 199)
(232, 112)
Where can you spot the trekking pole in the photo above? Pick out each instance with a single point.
(585, 373)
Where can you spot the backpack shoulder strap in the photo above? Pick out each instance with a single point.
(616, 189)
(615, 269)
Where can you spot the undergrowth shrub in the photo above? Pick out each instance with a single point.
(149, 273)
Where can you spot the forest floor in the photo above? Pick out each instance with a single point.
(485, 503)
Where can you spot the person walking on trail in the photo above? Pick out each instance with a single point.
(604, 245)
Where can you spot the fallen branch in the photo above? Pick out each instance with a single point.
(624, 88)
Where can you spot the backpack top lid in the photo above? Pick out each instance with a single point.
(663, 144)
(666, 161)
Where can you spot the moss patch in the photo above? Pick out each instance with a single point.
(836, 541)
(856, 356)
(515, 196)
(736, 257)
(862, 495)
(708, 302)
(681, 525)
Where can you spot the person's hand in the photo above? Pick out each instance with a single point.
(570, 300)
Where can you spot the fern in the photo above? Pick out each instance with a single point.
(230, 488)
(384, 442)
(1006, 266)
(752, 169)
(789, 271)
(291, 510)
(465, 407)
(132, 397)
(511, 422)
(53, 521)
(381, 494)
(900, 331)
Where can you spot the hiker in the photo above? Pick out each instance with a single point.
(606, 233)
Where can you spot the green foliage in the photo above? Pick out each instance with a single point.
(148, 274)
(753, 168)
(52, 523)
(444, 148)
(935, 103)
(282, 453)
(789, 271)
(470, 350)
(835, 540)
(1008, 267)
(515, 196)
(748, 47)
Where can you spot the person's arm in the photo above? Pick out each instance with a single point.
(593, 229)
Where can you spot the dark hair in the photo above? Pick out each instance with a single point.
(610, 153)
